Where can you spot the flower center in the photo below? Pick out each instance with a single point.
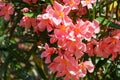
(87, 1)
(72, 3)
(60, 14)
(63, 28)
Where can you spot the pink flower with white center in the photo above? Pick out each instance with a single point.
(84, 66)
(6, 11)
(47, 53)
(30, 1)
(88, 3)
(72, 3)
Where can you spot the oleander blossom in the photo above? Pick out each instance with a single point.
(53, 17)
(6, 10)
(28, 22)
(45, 22)
(72, 3)
(59, 13)
(47, 53)
(88, 3)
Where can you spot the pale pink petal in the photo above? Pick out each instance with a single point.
(56, 21)
(83, 3)
(78, 54)
(67, 21)
(89, 66)
(49, 28)
(89, 6)
(58, 6)
(66, 10)
(41, 26)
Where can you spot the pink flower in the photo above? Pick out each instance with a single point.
(72, 3)
(47, 53)
(102, 50)
(84, 66)
(6, 11)
(30, 1)
(28, 22)
(88, 3)
(91, 47)
(25, 9)
(59, 13)
(86, 29)
(45, 22)
(34, 23)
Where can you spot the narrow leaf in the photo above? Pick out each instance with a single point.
(107, 22)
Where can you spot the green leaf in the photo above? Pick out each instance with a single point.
(29, 14)
(101, 63)
(107, 22)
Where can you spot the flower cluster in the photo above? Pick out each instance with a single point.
(66, 65)
(106, 47)
(69, 37)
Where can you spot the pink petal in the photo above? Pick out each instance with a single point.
(58, 6)
(44, 54)
(89, 66)
(48, 60)
(89, 6)
(7, 17)
(83, 3)
(67, 10)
